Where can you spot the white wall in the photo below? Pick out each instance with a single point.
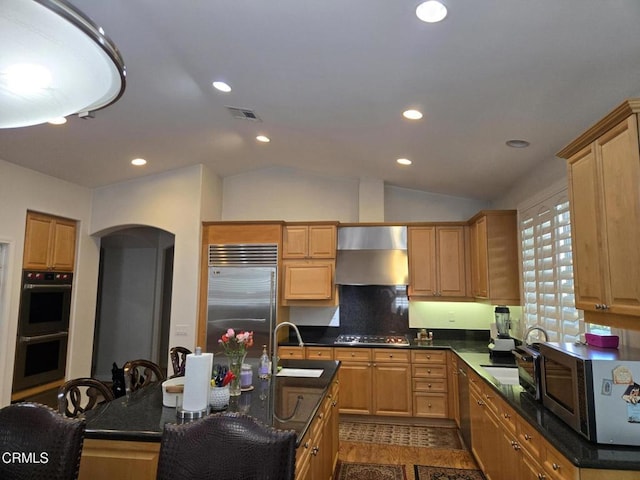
(547, 172)
(406, 205)
(289, 195)
(22, 189)
(172, 202)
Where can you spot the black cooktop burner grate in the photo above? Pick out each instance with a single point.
(345, 339)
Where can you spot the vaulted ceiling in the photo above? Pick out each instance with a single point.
(329, 81)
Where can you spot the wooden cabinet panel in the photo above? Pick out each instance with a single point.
(429, 356)
(392, 389)
(357, 390)
(309, 280)
(50, 243)
(109, 459)
(430, 371)
(390, 355)
(604, 185)
(494, 257)
(437, 261)
(319, 353)
(587, 258)
(430, 383)
(291, 353)
(309, 241)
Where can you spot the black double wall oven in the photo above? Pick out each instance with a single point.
(43, 328)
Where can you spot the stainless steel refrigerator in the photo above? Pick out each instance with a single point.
(242, 294)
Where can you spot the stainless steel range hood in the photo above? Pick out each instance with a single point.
(372, 255)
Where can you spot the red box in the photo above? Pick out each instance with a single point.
(603, 341)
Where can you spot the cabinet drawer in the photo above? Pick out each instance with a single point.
(436, 385)
(391, 355)
(429, 356)
(429, 371)
(507, 416)
(528, 438)
(291, 352)
(557, 465)
(433, 405)
(352, 354)
(319, 353)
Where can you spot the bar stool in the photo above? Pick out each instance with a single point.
(77, 396)
(226, 446)
(140, 373)
(53, 442)
(178, 357)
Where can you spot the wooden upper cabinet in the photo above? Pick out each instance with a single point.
(604, 187)
(437, 261)
(50, 243)
(309, 241)
(494, 256)
(308, 280)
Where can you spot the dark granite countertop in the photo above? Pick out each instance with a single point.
(141, 416)
(473, 350)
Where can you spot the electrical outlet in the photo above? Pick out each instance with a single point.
(182, 330)
(451, 317)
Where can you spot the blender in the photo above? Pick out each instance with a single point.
(501, 342)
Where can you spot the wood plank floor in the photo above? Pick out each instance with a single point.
(401, 455)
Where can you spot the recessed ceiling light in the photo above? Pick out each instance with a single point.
(404, 161)
(222, 86)
(263, 139)
(58, 121)
(517, 143)
(138, 162)
(412, 114)
(431, 11)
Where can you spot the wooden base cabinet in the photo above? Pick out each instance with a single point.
(109, 459)
(317, 454)
(355, 380)
(375, 381)
(430, 383)
(392, 382)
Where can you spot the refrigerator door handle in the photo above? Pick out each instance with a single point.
(272, 301)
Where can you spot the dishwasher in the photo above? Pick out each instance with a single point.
(463, 405)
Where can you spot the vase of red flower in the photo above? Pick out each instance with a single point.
(235, 348)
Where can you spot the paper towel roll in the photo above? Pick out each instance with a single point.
(197, 381)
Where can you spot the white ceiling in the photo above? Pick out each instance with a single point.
(330, 78)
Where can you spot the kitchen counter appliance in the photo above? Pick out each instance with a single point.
(593, 390)
(528, 361)
(386, 340)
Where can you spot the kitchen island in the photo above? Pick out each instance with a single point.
(122, 438)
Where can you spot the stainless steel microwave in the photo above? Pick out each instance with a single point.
(596, 391)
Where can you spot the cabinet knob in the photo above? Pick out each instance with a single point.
(541, 476)
(429, 385)
(555, 466)
(306, 444)
(428, 371)
(527, 437)
(391, 356)
(507, 416)
(429, 405)
(314, 451)
(428, 357)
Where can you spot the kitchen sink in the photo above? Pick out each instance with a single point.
(504, 375)
(300, 372)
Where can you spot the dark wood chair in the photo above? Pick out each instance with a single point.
(227, 446)
(52, 442)
(140, 373)
(77, 396)
(178, 357)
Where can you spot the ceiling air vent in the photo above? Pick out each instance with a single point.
(244, 114)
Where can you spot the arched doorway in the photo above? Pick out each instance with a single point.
(134, 298)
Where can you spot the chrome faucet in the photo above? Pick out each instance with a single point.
(274, 362)
(531, 329)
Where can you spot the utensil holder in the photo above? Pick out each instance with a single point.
(219, 397)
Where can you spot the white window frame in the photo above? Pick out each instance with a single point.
(551, 307)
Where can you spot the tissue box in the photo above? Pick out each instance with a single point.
(603, 341)
(168, 398)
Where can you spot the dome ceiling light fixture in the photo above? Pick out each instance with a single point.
(54, 62)
(431, 11)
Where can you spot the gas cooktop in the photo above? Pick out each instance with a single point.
(386, 340)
